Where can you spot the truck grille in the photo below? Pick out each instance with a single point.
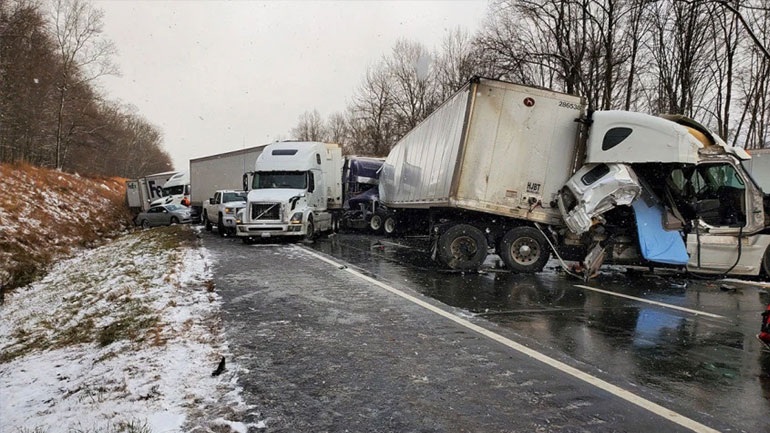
(265, 211)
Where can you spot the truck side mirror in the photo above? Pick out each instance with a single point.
(245, 181)
(211, 200)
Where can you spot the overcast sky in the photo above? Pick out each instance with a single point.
(216, 76)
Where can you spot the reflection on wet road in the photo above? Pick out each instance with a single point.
(688, 343)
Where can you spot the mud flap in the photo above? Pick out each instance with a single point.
(593, 262)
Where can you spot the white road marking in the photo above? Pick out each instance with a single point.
(647, 301)
(574, 372)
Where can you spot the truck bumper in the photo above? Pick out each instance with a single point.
(268, 230)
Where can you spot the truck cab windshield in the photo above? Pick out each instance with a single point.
(280, 179)
(176, 190)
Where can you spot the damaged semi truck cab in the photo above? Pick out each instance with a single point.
(664, 191)
(295, 190)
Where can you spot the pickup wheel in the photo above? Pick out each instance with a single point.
(145, 224)
(206, 222)
(220, 226)
(524, 249)
(462, 247)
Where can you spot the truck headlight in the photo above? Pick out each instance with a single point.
(229, 210)
(296, 218)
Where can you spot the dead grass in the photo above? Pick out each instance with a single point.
(44, 214)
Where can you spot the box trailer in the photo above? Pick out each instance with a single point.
(140, 193)
(223, 171)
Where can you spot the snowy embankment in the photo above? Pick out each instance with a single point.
(123, 337)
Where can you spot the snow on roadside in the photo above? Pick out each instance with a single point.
(120, 338)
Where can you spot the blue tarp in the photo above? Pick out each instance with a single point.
(656, 243)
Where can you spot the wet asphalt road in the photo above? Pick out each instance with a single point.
(317, 348)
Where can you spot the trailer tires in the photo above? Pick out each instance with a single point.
(524, 250)
(375, 223)
(389, 225)
(463, 247)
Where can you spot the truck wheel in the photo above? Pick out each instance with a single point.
(145, 224)
(462, 247)
(206, 222)
(220, 226)
(375, 223)
(524, 249)
(389, 225)
(310, 235)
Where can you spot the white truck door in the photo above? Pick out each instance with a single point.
(722, 205)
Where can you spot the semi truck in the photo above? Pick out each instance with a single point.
(141, 192)
(222, 171)
(176, 190)
(303, 189)
(526, 172)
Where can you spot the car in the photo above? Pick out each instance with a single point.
(164, 215)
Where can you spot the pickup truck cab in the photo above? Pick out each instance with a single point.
(220, 210)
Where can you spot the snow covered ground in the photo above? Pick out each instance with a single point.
(121, 338)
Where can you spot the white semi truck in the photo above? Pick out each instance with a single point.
(176, 190)
(529, 171)
(295, 190)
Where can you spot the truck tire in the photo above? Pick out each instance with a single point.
(375, 223)
(462, 247)
(524, 250)
(206, 222)
(389, 225)
(310, 235)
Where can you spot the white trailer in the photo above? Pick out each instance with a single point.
(223, 171)
(140, 193)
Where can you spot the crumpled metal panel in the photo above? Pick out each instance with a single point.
(618, 187)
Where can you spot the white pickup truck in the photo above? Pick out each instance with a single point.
(220, 210)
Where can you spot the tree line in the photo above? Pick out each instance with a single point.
(51, 111)
(706, 59)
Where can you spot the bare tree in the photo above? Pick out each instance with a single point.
(84, 55)
(456, 63)
(309, 127)
(372, 115)
(410, 68)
